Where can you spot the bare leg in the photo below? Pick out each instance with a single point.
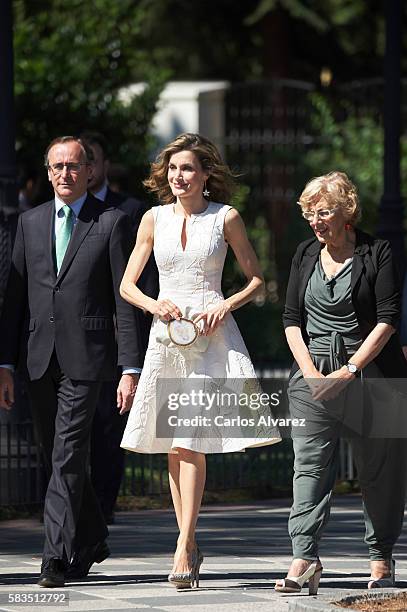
(380, 569)
(188, 497)
(173, 474)
(299, 566)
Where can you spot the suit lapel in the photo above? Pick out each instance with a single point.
(358, 260)
(357, 268)
(83, 224)
(46, 227)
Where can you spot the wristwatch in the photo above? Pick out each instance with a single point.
(352, 369)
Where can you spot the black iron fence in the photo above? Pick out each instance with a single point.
(22, 478)
(23, 481)
(263, 470)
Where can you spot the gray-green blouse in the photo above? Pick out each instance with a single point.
(329, 311)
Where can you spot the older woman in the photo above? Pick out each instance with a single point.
(340, 318)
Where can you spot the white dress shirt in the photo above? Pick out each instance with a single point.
(101, 194)
(76, 208)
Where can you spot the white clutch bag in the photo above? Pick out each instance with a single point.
(181, 334)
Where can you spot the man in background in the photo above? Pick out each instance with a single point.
(107, 458)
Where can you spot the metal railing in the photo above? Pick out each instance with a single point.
(258, 469)
(261, 470)
(22, 478)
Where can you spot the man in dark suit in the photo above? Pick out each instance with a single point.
(107, 458)
(68, 260)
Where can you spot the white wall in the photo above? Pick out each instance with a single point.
(185, 106)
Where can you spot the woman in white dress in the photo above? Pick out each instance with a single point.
(190, 235)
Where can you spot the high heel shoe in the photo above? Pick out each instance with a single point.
(384, 583)
(294, 584)
(199, 563)
(187, 580)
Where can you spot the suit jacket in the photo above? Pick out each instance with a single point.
(375, 294)
(148, 281)
(132, 207)
(77, 311)
(135, 209)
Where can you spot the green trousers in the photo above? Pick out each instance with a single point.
(381, 466)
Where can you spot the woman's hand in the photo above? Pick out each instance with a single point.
(212, 317)
(167, 310)
(314, 379)
(333, 384)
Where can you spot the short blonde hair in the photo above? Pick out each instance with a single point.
(221, 183)
(338, 190)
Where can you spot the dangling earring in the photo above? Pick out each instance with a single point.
(348, 226)
(205, 192)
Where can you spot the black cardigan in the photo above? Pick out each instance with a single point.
(375, 295)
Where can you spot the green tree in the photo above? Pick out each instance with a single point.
(71, 60)
(353, 145)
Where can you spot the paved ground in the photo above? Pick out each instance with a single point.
(246, 548)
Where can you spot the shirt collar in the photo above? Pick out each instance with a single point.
(75, 206)
(101, 194)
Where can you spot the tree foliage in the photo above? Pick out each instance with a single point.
(353, 144)
(71, 60)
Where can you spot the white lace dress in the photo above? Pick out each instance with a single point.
(191, 279)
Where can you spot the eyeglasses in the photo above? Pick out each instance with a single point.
(325, 213)
(71, 167)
